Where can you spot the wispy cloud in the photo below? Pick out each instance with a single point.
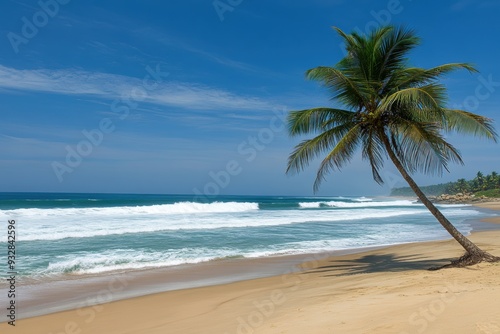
(112, 86)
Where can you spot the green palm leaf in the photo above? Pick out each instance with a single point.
(340, 155)
(317, 119)
(310, 149)
(464, 122)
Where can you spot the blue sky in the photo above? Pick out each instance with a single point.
(189, 96)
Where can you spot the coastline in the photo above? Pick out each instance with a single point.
(288, 295)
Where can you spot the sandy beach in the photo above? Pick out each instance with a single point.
(386, 290)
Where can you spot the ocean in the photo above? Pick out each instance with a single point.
(61, 235)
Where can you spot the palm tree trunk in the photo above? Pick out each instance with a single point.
(474, 253)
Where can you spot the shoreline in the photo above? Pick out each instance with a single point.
(293, 267)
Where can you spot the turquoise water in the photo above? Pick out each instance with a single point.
(78, 234)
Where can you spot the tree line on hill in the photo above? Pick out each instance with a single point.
(487, 185)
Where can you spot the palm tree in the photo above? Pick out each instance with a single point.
(388, 109)
(489, 182)
(496, 179)
(480, 181)
(462, 186)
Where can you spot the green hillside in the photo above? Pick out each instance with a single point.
(481, 185)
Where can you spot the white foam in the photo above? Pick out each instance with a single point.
(164, 209)
(126, 259)
(309, 205)
(371, 204)
(359, 203)
(362, 199)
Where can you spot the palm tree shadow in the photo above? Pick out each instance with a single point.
(376, 263)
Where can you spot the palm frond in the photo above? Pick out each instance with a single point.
(345, 88)
(406, 77)
(340, 155)
(349, 39)
(464, 122)
(309, 149)
(436, 72)
(393, 51)
(316, 119)
(429, 97)
(421, 147)
(374, 151)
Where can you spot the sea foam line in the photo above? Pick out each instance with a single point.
(165, 209)
(359, 203)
